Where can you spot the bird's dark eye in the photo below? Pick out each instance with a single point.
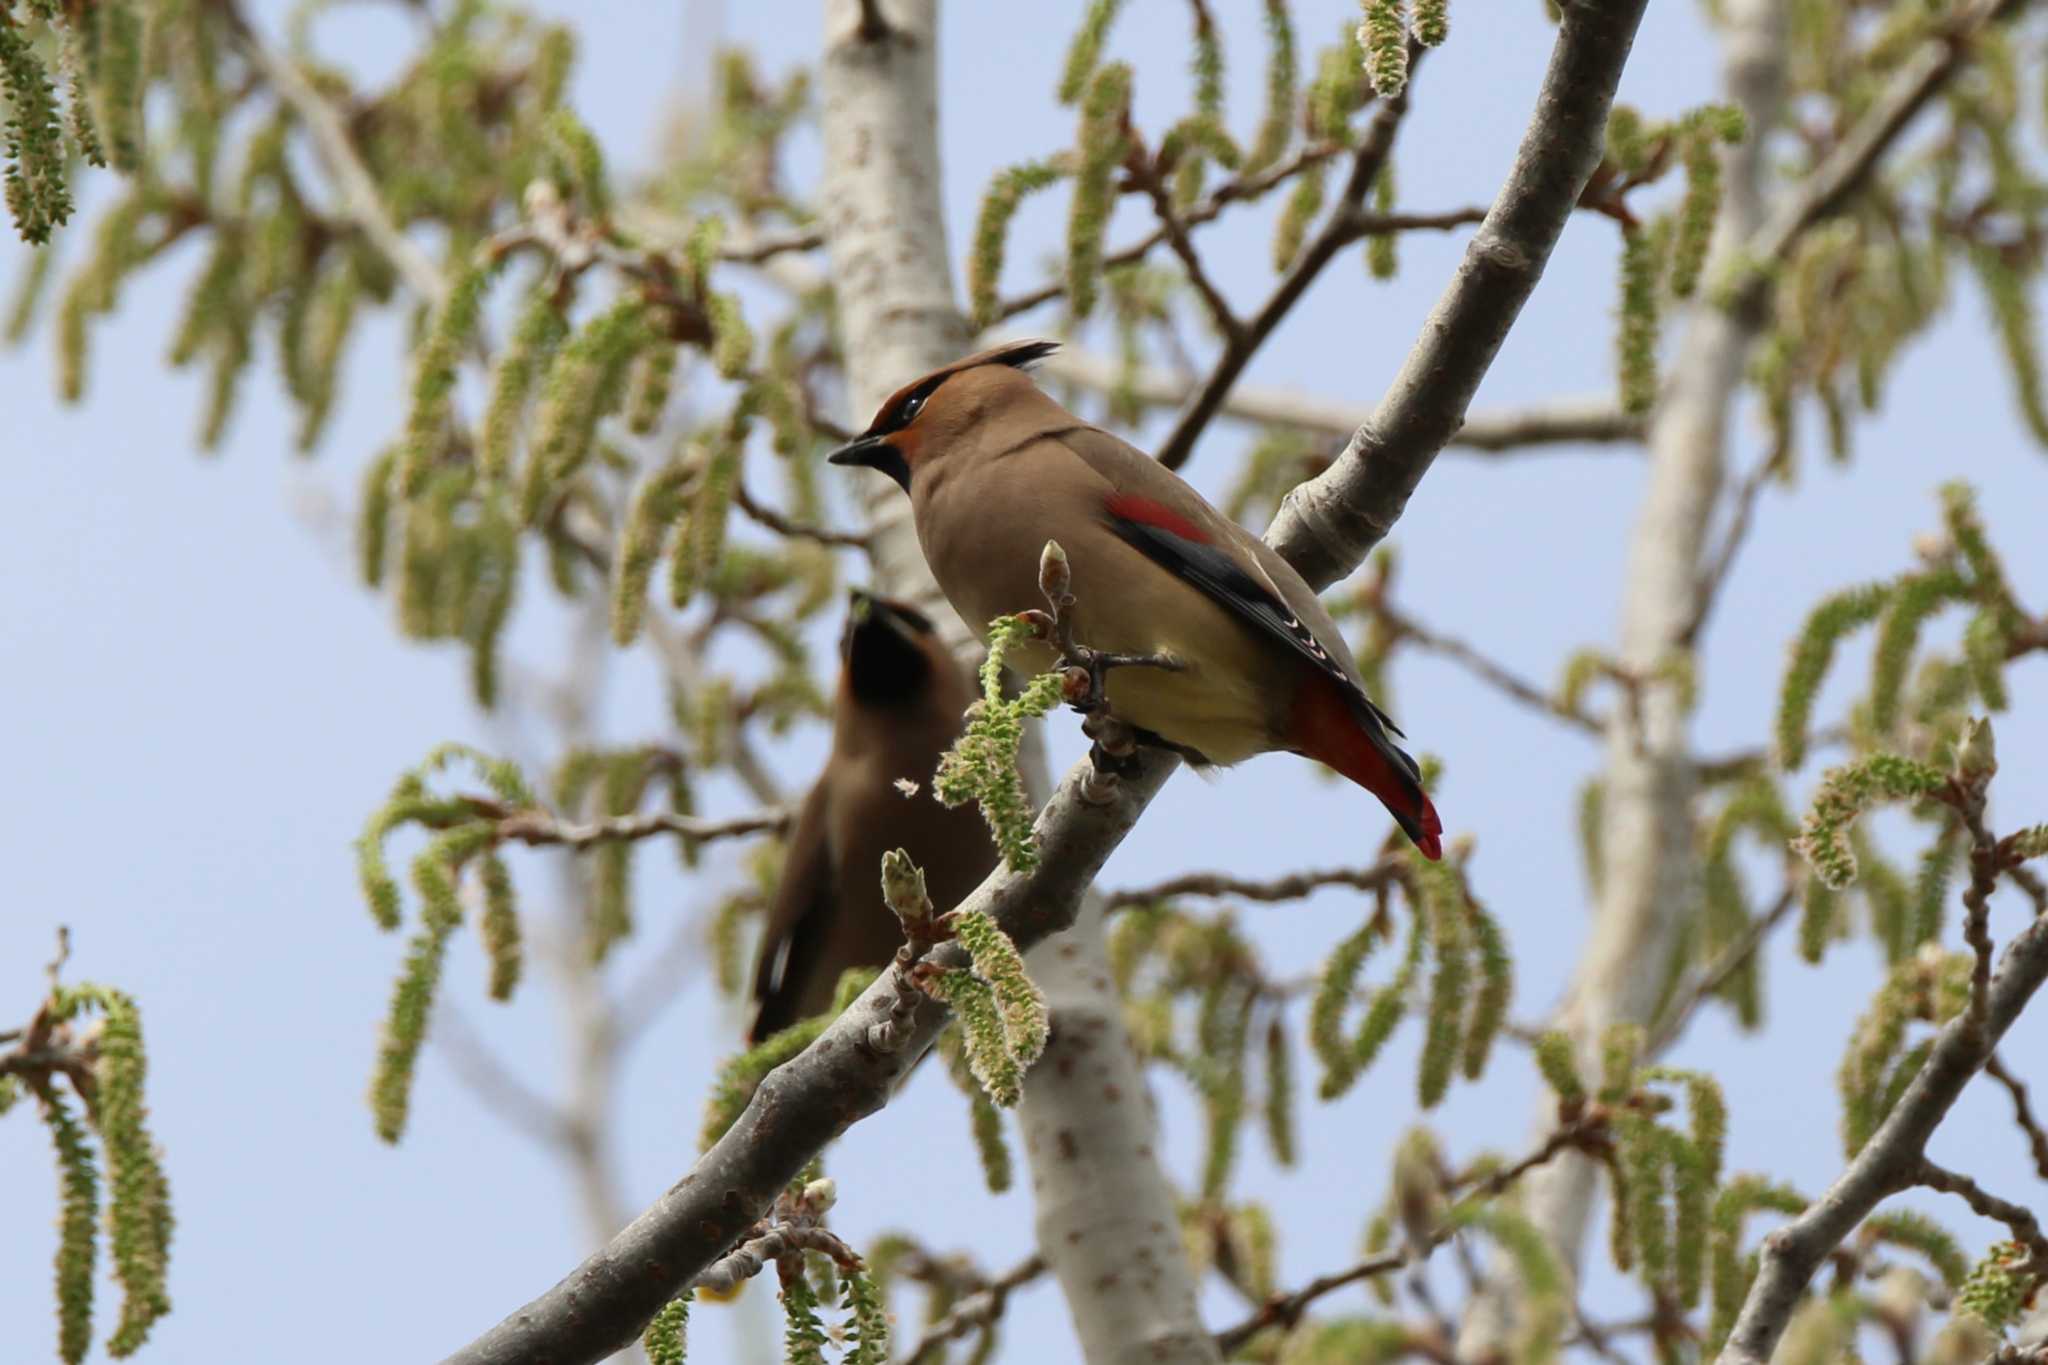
(911, 407)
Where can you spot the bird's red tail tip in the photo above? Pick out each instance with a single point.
(1430, 840)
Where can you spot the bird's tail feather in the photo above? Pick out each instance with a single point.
(1330, 729)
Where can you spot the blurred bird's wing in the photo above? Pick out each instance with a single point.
(796, 930)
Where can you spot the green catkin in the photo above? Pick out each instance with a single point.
(1383, 38)
(1844, 794)
(1918, 1232)
(1381, 261)
(1560, 1070)
(1085, 52)
(1279, 1106)
(1326, 1010)
(578, 160)
(500, 926)
(653, 512)
(666, 1338)
(1018, 1000)
(1636, 336)
(651, 380)
(992, 231)
(330, 319)
(1446, 1019)
(138, 1214)
(986, 1121)
(989, 1057)
(1496, 988)
(2012, 312)
(539, 329)
(117, 91)
(1914, 599)
(703, 533)
(868, 1334)
(1276, 126)
(803, 1336)
(1696, 212)
(584, 384)
(1730, 1275)
(1101, 148)
(453, 327)
(38, 197)
(1812, 652)
(373, 518)
(1430, 22)
(78, 1225)
(982, 764)
(1304, 202)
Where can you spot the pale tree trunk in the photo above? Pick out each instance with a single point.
(1106, 1219)
(1648, 877)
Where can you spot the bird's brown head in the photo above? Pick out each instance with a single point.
(921, 419)
(888, 650)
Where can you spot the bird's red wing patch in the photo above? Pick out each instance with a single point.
(1133, 507)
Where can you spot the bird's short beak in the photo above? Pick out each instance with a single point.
(875, 452)
(865, 452)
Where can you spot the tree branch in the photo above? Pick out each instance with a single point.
(979, 1309)
(1327, 526)
(2022, 1114)
(810, 1100)
(1288, 888)
(1242, 342)
(360, 200)
(1893, 1158)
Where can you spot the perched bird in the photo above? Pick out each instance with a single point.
(995, 468)
(900, 699)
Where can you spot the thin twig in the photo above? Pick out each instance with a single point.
(1337, 232)
(767, 516)
(1562, 422)
(1284, 1310)
(1718, 971)
(1240, 189)
(1499, 676)
(493, 1085)
(1146, 175)
(979, 1309)
(2020, 1221)
(539, 827)
(2023, 1115)
(1282, 889)
(1715, 576)
(360, 199)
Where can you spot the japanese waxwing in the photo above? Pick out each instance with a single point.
(995, 468)
(899, 705)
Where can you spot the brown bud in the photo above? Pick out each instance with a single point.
(1076, 685)
(1055, 575)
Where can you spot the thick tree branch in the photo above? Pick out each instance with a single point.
(1892, 1160)
(838, 1080)
(1328, 525)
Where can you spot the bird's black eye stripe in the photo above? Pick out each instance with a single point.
(913, 402)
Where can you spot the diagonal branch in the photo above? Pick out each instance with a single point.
(810, 1100)
(1893, 1158)
(2022, 1113)
(1241, 342)
(1568, 421)
(360, 199)
(1288, 888)
(1329, 524)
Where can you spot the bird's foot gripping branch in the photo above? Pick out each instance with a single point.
(1083, 673)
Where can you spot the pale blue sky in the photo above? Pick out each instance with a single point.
(200, 704)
